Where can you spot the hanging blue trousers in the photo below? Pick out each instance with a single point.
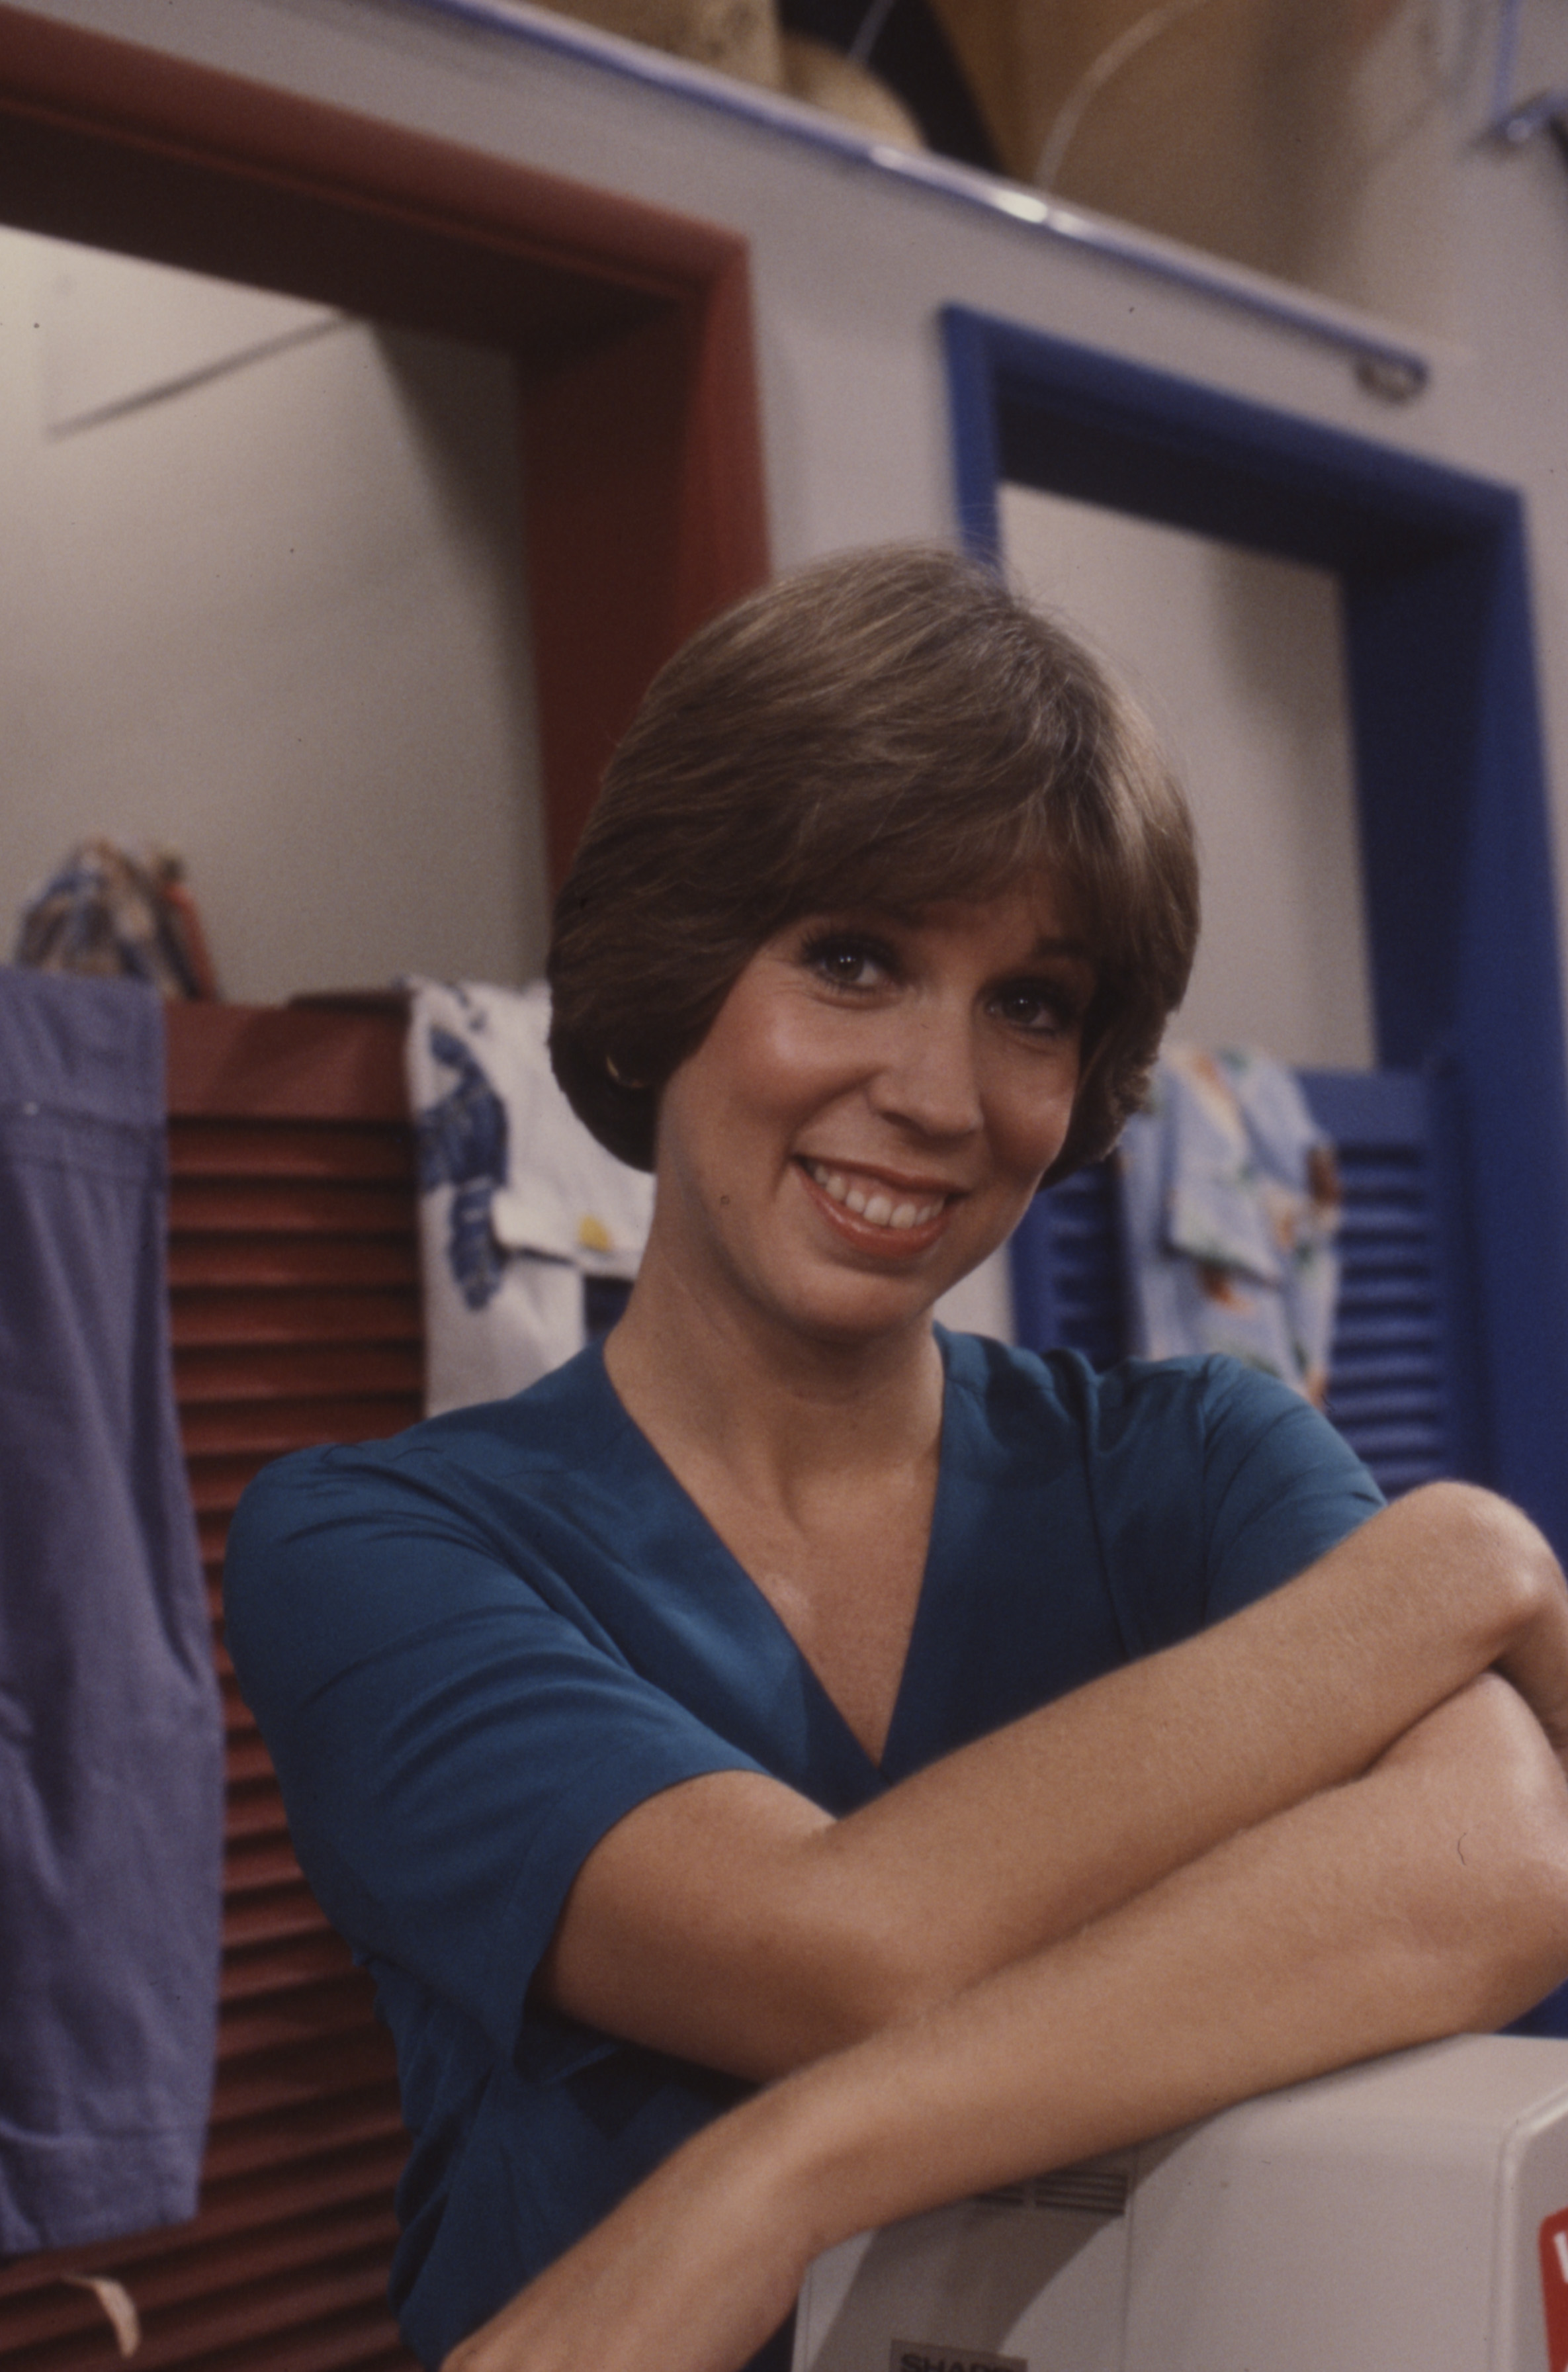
(110, 1736)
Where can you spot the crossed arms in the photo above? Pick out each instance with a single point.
(1333, 1825)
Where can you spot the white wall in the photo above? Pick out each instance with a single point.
(261, 601)
(1239, 660)
(850, 266)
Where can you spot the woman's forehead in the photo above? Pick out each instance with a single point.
(1035, 906)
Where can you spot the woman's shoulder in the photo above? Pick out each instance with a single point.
(1205, 1429)
(1208, 1483)
(1060, 1390)
(564, 1422)
(481, 1516)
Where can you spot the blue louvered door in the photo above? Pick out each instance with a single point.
(1396, 1373)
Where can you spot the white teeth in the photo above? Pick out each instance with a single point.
(880, 1209)
(874, 1205)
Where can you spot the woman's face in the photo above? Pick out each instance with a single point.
(872, 1110)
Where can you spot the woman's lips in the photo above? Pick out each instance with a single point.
(897, 1211)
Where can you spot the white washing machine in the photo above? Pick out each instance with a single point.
(1408, 2215)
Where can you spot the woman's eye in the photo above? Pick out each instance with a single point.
(847, 963)
(1039, 1006)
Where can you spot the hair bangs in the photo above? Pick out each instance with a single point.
(885, 731)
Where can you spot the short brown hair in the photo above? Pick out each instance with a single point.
(888, 729)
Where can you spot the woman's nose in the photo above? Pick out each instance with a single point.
(928, 1078)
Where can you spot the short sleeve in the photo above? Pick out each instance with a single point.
(1281, 1487)
(1210, 1484)
(451, 1741)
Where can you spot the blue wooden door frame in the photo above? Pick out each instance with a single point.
(1456, 844)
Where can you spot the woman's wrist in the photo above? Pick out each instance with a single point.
(785, 2160)
(812, 2159)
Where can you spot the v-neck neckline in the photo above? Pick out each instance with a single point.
(760, 1608)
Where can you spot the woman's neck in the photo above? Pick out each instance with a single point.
(815, 1461)
(780, 1413)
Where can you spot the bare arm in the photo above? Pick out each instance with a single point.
(734, 1923)
(1354, 1923)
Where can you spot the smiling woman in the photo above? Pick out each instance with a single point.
(966, 1023)
(878, 734)
(870, 1113)
(996, 1761)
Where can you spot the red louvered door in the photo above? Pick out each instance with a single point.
(295, 1299)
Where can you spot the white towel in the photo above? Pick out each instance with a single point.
(518, 1202)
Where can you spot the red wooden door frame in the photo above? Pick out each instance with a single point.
(642, 481)
(644, 512)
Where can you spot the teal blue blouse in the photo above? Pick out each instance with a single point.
(473, 1648)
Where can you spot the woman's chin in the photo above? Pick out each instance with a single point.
(848, 1308)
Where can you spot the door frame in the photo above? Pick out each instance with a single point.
(643, 492)
(1451, 793)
